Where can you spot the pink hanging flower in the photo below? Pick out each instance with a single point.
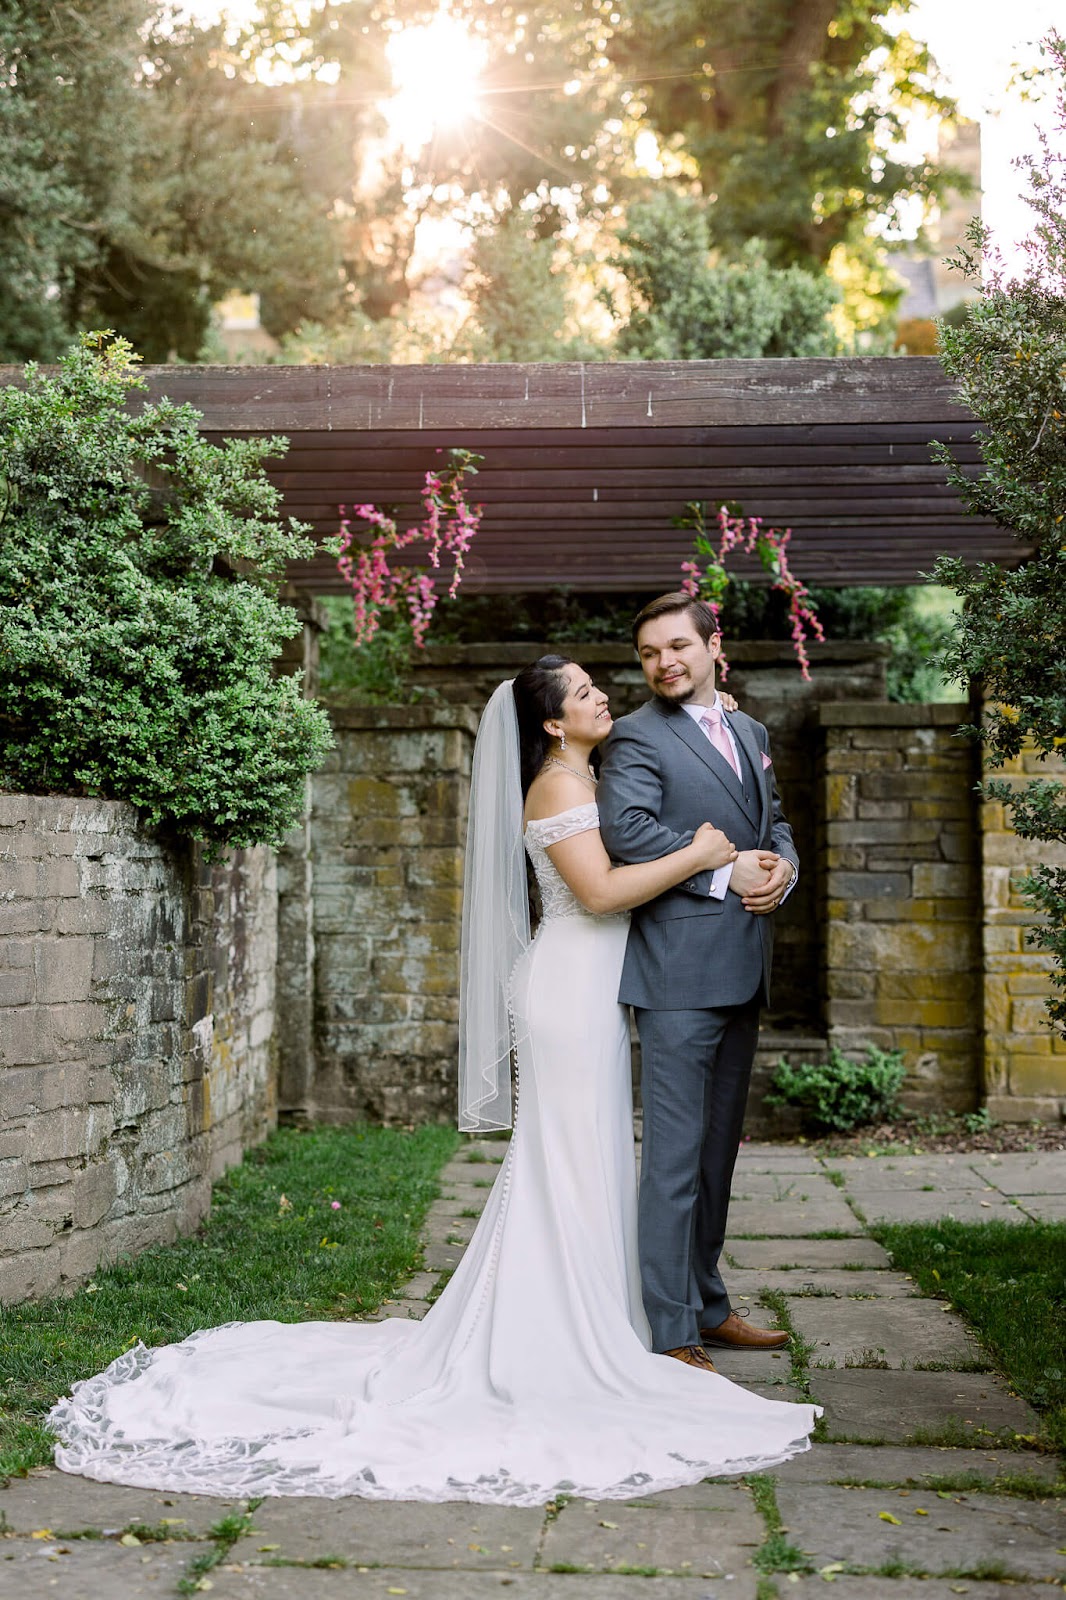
(447, 529)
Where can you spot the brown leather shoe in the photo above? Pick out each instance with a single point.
(693, 1355)
(736, 1334)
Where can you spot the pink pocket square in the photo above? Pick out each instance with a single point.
(767, 761)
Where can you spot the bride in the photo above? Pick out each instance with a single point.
(531, 1376)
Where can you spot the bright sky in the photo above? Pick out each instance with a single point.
(978, 44)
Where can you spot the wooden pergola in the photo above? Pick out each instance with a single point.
(586, 466)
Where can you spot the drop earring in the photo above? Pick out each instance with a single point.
(562, 740)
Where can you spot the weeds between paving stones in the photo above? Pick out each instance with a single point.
(775, 1554)
(1009, 1283)
(946, 1485)
(224, 1535)
(274, 1248)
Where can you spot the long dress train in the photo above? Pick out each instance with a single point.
(530, 1376)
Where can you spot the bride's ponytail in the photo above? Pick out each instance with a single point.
(539, 692)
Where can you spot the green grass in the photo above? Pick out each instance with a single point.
(1009, 1282)
(273, 1248)
(776, 1554)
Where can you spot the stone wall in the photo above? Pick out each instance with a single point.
(136, 1033)
(1025, 1061)
(900, 884)
(388, 826)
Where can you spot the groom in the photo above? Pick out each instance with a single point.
(697, 965)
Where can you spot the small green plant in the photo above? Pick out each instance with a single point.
(840, 1094)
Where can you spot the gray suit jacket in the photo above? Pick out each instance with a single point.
(661, 778)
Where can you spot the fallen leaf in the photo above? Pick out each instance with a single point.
(171, 1522)
(918, 1512)
(395, 1591)
(479, 1548)
(886, 1516)
(129, 1539)
(41, 1533)
(270, 1547)
(608, 1524)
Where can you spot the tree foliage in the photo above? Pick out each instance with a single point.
(138, 621)
(690, 305)
(139, 183)
(1009, 360)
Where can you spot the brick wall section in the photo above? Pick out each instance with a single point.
(136, 1034)
(900, 880)
(1025, 1060)
(388, 827)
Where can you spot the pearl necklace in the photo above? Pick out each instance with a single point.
(555, 762)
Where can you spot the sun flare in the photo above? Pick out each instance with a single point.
(435, 72)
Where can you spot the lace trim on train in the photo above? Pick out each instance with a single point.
(242, 1467)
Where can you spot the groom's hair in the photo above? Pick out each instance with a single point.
(698, 611)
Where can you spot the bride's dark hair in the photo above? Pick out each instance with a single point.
(539, 692)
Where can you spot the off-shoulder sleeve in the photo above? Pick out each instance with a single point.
(553, 830)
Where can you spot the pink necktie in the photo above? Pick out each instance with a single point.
(711, 723)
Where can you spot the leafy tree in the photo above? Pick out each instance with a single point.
(139, 182)
(785, 108)
(1009, 359)
(690, 306)
(69, 116)
(138, 621)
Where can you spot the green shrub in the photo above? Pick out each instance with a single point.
(139, 618)
(840, 1094)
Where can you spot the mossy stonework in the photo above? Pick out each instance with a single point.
(1025, 1060)
(924, 928)
(136, 1033)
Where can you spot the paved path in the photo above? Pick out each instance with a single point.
(877, 1495)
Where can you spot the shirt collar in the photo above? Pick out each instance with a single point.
(696, 712)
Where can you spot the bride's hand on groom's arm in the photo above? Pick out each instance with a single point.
(717, 850)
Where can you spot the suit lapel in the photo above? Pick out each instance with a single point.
(690, 734)
(754, 800)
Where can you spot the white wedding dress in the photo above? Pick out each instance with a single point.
(531, 1375)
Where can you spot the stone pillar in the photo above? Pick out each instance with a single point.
(296, 936)
(899, 880)
(1025, 1059)
(389, 824)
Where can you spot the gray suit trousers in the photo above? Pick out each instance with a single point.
(696, 1067)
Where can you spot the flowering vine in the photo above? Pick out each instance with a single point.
(448, 527)
(709, 579)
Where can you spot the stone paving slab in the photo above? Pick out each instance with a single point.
(751, 1366)
(779, 1391)
(777, 1158)
(1017, 1172)
(871, 1333)
(825, 1282)
(1044, 1207)
(790, 1217)
(295, 1583)
(965, 1532)
(441, 1257)
(905, 1172)
(714, 1540)
(804, 1254)
(782, 1186)
(401, 1533)
(868, 1405)
(68, 1504)
(916, 1205)
(900, 1464)
(91, 1569)
(865, 1588)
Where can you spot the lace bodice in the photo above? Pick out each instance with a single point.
(556, 899)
